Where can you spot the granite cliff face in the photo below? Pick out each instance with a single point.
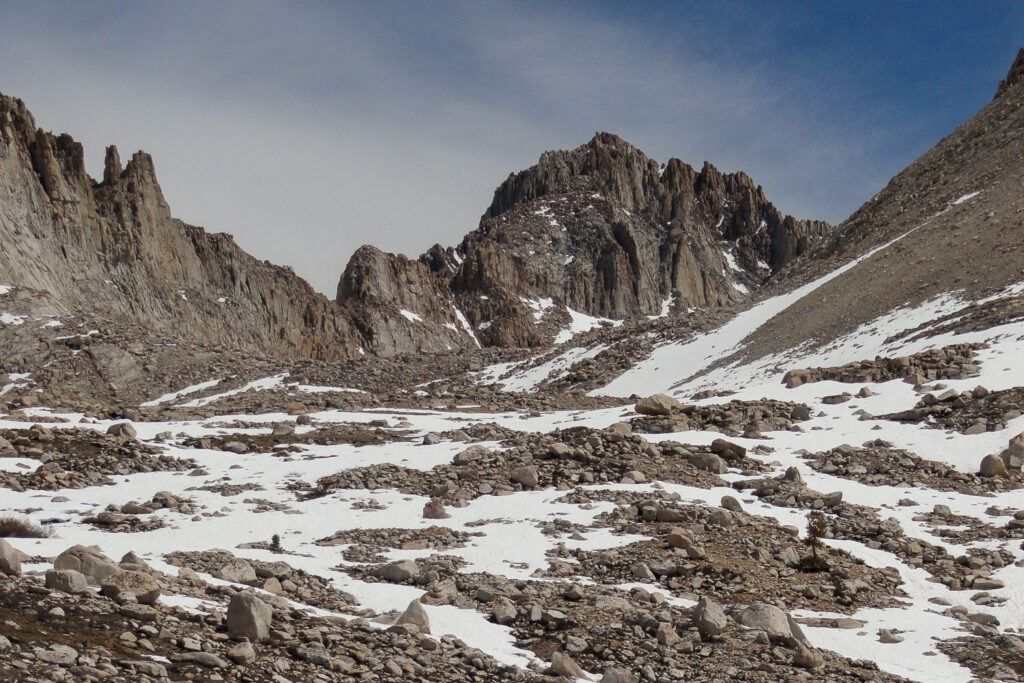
(605, 231)
(112, 248)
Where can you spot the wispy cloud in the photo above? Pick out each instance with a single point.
(307, 129)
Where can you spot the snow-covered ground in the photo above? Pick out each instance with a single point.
(516, 547)
(513, 543)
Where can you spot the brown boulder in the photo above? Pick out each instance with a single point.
(658, 404)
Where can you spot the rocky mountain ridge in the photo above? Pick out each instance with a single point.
(601, 230)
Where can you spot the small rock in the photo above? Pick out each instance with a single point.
(242, 653)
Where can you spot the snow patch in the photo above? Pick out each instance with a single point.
(11, 319)
(411, 317)
(581, 322)
(166, 398)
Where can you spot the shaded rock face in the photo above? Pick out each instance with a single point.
(399, 305)
(606, 231)
(114, 249)
(612, 233)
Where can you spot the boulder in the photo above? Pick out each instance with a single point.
(66, 581)
(10, 559)
(140, 584)
(237, 571)
(709, 618)
(527, 476)
(415, 614)
(249, 617)
(122, 429)
(95, 565)
(992, 466)
(767, 618)
(658, 404)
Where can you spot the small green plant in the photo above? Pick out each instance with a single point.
(817, 529)
(275, 544)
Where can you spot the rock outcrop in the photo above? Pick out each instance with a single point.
(606, 231)
(399, 305)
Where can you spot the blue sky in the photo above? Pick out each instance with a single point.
(306, 129)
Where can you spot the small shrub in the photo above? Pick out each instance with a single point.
(275, 544)
(817, 529)
(15, 527)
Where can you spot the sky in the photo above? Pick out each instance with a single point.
(306, 129)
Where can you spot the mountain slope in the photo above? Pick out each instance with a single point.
(934, 254)
(957, 211)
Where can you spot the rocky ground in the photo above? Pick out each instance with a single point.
(267, 534)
